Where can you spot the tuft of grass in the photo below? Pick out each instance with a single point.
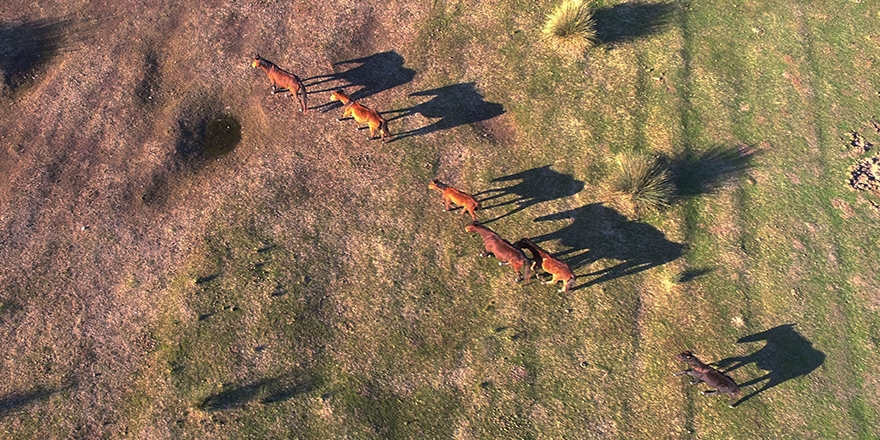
(642, 181)
(571, 24)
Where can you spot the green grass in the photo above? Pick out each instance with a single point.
(342, 302)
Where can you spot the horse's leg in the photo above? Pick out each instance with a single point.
(696, 376)
(709, 392)
(486, 254)
(681, 373)
(448, 204)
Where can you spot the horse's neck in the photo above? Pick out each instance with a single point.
(266, 66)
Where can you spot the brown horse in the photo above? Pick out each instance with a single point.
(287, 81)
(452, 195)
(505, 252)
(547, 262)
(361, 115)
(722, 383)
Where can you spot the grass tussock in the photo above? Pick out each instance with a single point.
(642, 182)
(571, 25)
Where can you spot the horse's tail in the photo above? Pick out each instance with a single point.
(303, 97)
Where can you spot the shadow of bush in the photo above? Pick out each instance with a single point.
(696, 173)
(630, 21)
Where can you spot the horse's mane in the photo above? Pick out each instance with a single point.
(440, 185)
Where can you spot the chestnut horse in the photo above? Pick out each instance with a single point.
(722, 383)
(505, 252)
(451, 195)
(361, 115)
(547, 262)
(279, 77)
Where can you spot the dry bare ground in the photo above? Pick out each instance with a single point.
(185, 255)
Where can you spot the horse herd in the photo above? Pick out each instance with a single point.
(506, 252)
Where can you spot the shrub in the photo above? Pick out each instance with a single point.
(571, 24)
(643, 181)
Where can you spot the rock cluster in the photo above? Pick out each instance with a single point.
(866, 175)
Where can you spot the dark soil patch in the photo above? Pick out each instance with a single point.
(147, 90)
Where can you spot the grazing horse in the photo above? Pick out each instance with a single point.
(452, 195)
(279, 77)
(361, 115)
(547, 262)
(505, 252)
(703, 373)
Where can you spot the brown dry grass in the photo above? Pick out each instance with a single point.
(308, 279)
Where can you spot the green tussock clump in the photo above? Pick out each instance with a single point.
(642, 181)
(571, 24)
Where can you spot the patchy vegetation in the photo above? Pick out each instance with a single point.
(188, 256)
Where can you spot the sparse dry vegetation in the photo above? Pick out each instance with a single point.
(642, 181)
(571, 25)
(185, 255)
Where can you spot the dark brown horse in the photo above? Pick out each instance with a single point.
(287, 81)
(547, 262)
(505, 252)
(722, 383)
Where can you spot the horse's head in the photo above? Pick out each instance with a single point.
(436, 184)
(256, 62)
(472, 227)
(338, 95)
(686, 357)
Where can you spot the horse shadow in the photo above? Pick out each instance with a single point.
(629, 21)
(452, 106)
(695, 173)
(786, 355)
(30, 47)
(266, 391)
(534, 186)
(598, 232)
(16, 401)
(373, 74)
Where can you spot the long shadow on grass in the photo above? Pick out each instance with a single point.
(629, 21)
(373, 74)
(598, 232)
(697, 173)
(454, 105)
(27, 49)
(786, 355)
(265, 391)
(16, 401)
(534, 186)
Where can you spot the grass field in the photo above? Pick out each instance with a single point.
(185, 256)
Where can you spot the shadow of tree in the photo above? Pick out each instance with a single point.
(454, 105)
(598, 232)
(267, 391)
(629, 21)
(536, 185)
(14, 401)
(373, 74)
(27, 48)
(704, 173)
(786, 355)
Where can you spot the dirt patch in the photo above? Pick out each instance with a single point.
(843, 207)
